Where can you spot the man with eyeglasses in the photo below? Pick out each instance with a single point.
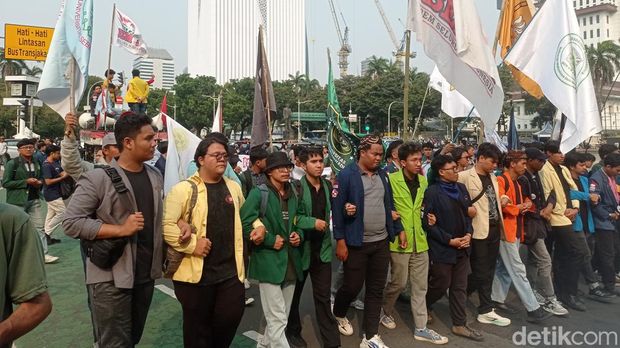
(22, 180)
(363, 225)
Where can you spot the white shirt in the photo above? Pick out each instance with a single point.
(3, 148)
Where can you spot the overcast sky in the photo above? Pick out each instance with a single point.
(164, 25)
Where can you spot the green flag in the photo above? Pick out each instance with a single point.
(341, 142)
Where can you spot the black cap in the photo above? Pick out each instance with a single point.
(25, 141)
(533, 153)
(276, 160)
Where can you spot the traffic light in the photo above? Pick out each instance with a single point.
(23, 111)
(120, 77)
(367, 124)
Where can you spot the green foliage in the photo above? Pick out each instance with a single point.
(604, 60)
(194, 107)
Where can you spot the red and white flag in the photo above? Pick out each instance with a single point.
(128, 35)
(452, 36)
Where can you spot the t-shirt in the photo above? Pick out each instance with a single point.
(220, 264)
(487, 186)
(143, 194)
(374, 209)
(51, 171)
(319, 204)
(22, 272)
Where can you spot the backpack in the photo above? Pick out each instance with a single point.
(173, 258)
(264, 195)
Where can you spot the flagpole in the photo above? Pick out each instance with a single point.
(406, 85)
(463, 124)
(111, 38)
(73, 129)
(417, 123)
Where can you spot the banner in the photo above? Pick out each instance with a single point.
(128, 35)
(341, 142)
(551, 52)
(72, 41)
(452, 36)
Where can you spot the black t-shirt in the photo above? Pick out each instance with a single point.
(487, 186)
(319, 204)
(413, 184)
(143, 194)
(51, 170)
(220, 264)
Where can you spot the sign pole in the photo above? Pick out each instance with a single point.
(111, 37)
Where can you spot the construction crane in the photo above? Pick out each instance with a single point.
(399, 51)
(345, 47)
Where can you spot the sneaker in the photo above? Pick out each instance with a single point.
(50, 258)
(295, 340)
(467, 332)
(428, 335)
(617, 278)
(539, 298)
(51, 241)
(246, 284)
(358, 304)
(504, 308)
(249, 301)
(493, 318)
(601, 295)
(554, 307)
(387, 321)
(374, 342)
(344, 326)
(538, 316)
(572, 302)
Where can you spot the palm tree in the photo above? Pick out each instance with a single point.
(377, 66)
(10, 66)
(298, 81)
(604, 62)
(32, 71)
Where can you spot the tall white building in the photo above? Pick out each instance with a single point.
(222, 37)
(159, 63)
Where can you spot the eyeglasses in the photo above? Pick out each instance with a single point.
(218, 155)
(452, 169)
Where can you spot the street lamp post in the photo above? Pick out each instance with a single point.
(389, 110)
(299, 117)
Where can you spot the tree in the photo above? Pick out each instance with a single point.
(377, 66)
(238, 104)
(10, 66)
(604, 62)
(32, 70)
(194, 107)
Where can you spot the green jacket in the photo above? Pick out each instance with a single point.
(306, 222)
(410, 213)
(14, 180)
(268, 265)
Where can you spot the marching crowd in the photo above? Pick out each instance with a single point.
(450, 222)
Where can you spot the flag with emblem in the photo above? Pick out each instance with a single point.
(341, 142)
(453, 103)
(452, 36)
(551, 52)
(514, 18)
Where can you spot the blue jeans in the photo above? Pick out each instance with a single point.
(138, 108)
(510, 269)
(34, 208)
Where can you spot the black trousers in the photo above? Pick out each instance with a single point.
(444, 276)
(483, 258)
(119, 315)
(369, 264)
(321, 276)
(606, 256)
(589, 263)
(211, 313)
(570, 253)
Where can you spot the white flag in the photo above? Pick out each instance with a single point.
(453, 103)
(551, 52)
(128, 35)
(72, 40)
(452, 36)
(218, 119)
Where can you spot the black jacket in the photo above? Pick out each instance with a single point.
(448, 221)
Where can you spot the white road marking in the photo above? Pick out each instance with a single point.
(166, 290)
(253, 335)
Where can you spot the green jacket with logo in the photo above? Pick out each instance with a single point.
(410, 213)
(306, 222)
(268, 265)
(14, 180)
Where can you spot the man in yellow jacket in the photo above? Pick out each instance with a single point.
(137, 92)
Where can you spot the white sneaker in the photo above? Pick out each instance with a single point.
(50, 258)
(344, 326)
(249, 301)
(358, 304)
(428, 335)
(374, 342)
(539, 298)
(493, 318)
(387, 321)
(554, 307)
